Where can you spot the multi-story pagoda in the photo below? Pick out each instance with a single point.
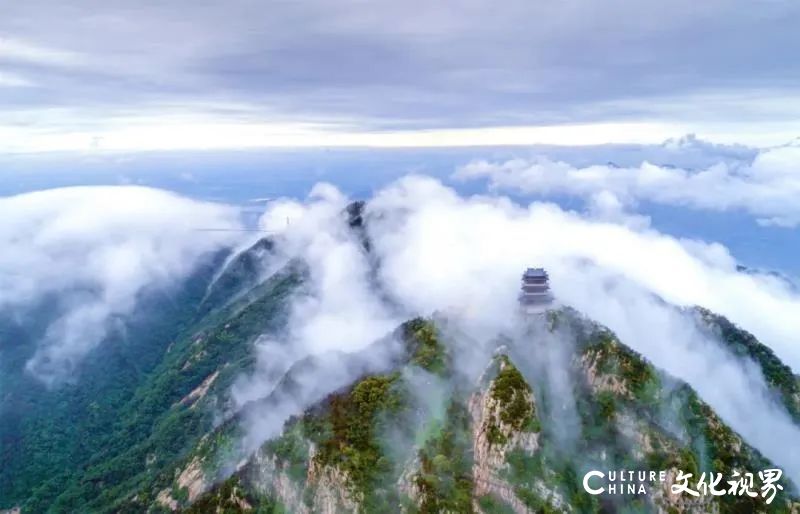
(535, 295)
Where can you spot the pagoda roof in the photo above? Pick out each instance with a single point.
(535, 273)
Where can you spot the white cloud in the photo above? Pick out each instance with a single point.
(605, 206)
(95, 249)
(14, 80)
(19, 50)
(189, 128)
(490, 68)
(439, 250)
(338, 311)
(768, 187)
(100, 247)
(481, 244)
(341, 312)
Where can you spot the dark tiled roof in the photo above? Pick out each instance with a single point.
(535, 273)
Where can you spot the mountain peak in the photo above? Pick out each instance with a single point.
(418, 438)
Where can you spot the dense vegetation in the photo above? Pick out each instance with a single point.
(122, 428)
(620, 403)
(47, 435)
(347, 436)
(425, 348)
(743, 344)
(117, 439)
(445, 479)
(513, 394)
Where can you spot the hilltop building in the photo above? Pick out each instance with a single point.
(535, 295)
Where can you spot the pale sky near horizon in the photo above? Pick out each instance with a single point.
(147, 75)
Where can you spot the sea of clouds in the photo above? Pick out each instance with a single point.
(441, 252)
(431, 250)
(766, 186)
(88, 252)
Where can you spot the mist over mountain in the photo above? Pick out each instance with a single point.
(370, 356)
(421, 257)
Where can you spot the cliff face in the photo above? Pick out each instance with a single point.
(503, 421)
(440, 427)
(499, 443)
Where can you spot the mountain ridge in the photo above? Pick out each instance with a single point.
(175, 443)
(272, 459)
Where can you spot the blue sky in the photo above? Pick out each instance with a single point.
(244, 177)
(227, 101)
(637, 149)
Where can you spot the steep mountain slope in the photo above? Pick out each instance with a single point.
(742, 344)
(47, 434)
(139, 405)
(498, 445)
(424, 420)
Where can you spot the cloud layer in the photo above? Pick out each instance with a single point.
(434, 250)
(338, 311)
(84, 69)
(481, 243)
(441, 252)
(86, 253)
(767, 187)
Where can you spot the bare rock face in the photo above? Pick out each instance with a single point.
(166, 500)
(199, 392)
(406, 484)
(192, 479)
(272, 478)
(485, 451)
(331, 490)
(494, 435)
(326, 489)
(600, 381)
(667, 502)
